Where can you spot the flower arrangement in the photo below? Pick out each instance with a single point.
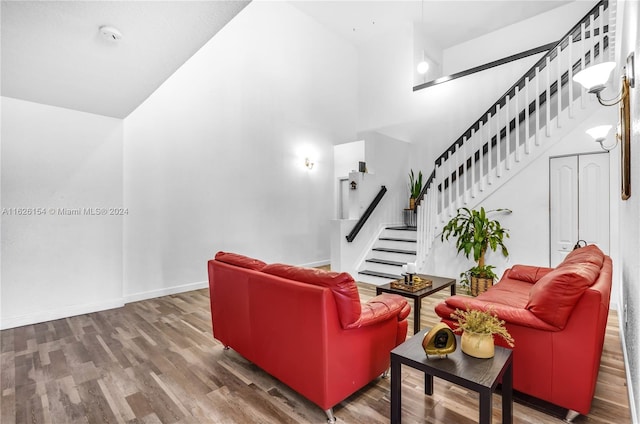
(481, 322)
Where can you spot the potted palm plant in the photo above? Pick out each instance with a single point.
(415, 188)
(475, 232)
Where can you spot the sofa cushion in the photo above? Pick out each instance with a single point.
(508, 292)
(588, 254)
(239, 260)
(553, 297)
(528, 273)
(344, 289)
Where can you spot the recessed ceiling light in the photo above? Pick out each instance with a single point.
(110, 33)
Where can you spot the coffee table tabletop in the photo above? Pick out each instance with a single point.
(438, 284)
(480, 375)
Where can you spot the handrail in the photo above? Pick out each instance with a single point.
(541, 63)
(352, 235)
(489, 65)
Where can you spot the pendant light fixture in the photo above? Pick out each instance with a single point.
(423, 66)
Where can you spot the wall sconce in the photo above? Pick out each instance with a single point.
(308, 163)
(594, 79)
(599, 134)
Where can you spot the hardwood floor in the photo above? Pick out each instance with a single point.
(156, 361)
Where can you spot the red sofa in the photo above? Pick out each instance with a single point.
(557, 318)
(304, 326)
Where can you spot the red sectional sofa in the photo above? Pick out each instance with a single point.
(304, 326)
(558, 319)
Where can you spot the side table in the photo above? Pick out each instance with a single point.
(439, 283)
(480, 375)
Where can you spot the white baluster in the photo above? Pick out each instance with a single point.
(507, 143)
(548, 97)
(465, 173)
(601, 18)
(559, 78)
(517, 127)
(498, 148)
(474, 147)
(487, 136)
(450, 169)
(570, 74)
(583, 51)
(527, 88)
(537, 116)
(456, 163)
(440, 171)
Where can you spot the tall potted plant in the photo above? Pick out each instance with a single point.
(476, 232)
(415, 188)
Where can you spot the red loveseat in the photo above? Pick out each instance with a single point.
(557, 318)
(304, 326)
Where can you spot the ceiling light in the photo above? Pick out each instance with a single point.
(423, 67)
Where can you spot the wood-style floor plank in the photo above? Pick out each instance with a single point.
(156, 361)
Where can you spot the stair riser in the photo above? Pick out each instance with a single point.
(400, 257)
(372, 280)
(388, 269)
(402, 245)
(399, 234)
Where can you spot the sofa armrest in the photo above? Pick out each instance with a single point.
(528, 273)
(382, 308)
(509, 314)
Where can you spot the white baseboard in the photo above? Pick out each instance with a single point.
(316, 264)
(632, 398)
(136, 297)
(53, 314)
(50, 315)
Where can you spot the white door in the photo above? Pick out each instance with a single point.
(563, 202)
(579, 203)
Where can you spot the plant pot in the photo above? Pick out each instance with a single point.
(480, 285)
(478, 345)
(412, 203)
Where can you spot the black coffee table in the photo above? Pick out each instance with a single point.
(480, 375)
(439, 283)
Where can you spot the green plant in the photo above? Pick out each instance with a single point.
(478, 272)
(483, 322)
(476, 232)
(415, 184)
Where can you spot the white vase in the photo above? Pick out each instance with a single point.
(478, 345)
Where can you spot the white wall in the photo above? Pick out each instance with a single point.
(346, 158)
(628, 40)
(214, 160)
(56, 265)
(534, 32)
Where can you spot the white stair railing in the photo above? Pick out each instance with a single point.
(515, 130)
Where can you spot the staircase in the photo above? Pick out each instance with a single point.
(394, 247)
(518, 128)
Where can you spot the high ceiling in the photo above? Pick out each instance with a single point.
(53, 53)
(448, 22)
